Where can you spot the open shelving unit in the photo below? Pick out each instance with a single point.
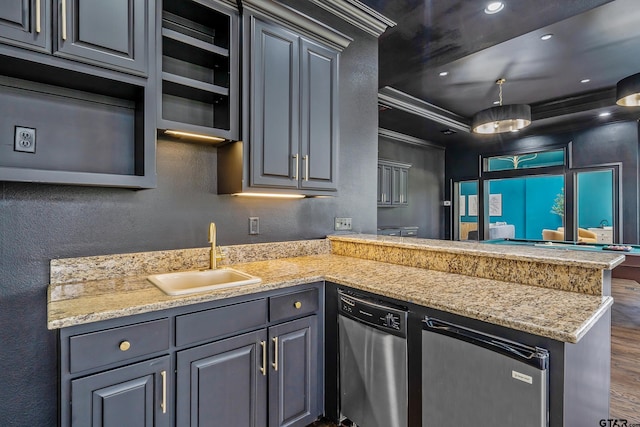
(199, 68)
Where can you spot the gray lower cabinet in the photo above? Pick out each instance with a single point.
(293, 374)
(226, 382)
(294, 117)
(132, 396)
(222, 383)
(248, 362)
(113, 33)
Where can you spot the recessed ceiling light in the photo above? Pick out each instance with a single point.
(496, 102)
(443, 73)
(546, 37)
(494, 7)
(585, 80)
(604, 114)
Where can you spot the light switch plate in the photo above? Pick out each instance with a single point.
(254, 225)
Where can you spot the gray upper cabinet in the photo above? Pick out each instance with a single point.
(393, 183)
(384, 184)
(275, 131)
(294, 110)
(199, 68)
(112, 34)
(26, 23)
(319, 121)
(107, 33)
(290, 103)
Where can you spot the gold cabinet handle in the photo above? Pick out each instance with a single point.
(297, 305)
(163, 405)
(263, 368)
(64, 19)
(306, 167)
(125, 345)
(38, 16)
(295, 169)
(275, 351)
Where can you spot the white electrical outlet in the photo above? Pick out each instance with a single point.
(342, 224)
(25, 140)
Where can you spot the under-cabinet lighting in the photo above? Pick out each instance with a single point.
(179, 134)
(272, 195)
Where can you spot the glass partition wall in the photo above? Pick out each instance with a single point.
(523, 196)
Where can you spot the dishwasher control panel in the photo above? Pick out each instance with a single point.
(373, 313)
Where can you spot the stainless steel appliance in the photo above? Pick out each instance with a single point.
(373, 362)
(474, 379)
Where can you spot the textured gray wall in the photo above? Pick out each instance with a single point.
(426, 188)
(41, 222)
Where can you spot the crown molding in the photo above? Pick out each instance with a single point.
(298, 22)
(357, 14)
(390, 97)
(407, 139)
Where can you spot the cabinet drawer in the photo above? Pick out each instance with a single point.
(218, 322)
(293, 304)
(101, 348)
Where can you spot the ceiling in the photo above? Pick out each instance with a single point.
(597, 40)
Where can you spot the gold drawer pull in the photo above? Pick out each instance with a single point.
(125, 345)
(275, 350)
(38, 27)
(163, 405)
(263, 368)
(64, 19)
(297, 305)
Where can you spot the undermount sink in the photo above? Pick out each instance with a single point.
(188, 282)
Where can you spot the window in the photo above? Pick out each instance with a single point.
(524, 161)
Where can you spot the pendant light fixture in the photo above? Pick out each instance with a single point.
(628, 91)
(502, 118)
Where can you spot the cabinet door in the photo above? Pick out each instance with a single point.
(26, 23)
(293, 377)
(223, 383)
(110, 33)
(400, 186)
(384, 184)
(136, 395)
(275, 93)
(319, 120)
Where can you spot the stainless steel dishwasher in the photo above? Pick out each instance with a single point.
(373, 362)
(475, 379)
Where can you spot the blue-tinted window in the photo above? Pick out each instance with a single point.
(525, 161)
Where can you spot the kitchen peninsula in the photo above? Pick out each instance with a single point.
(556, 298)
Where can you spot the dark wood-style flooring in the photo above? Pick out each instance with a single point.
(625, 350)
(625, 353)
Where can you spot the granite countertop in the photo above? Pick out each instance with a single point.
(601, 260)
(561, 315)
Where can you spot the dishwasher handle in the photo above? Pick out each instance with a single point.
(534, 356)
